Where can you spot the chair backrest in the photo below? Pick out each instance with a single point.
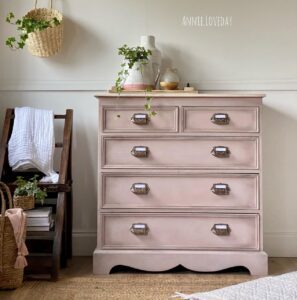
(6, 173)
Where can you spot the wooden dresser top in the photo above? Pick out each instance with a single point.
(176, 95)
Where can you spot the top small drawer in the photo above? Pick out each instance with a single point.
(134, 119)
(221, 119)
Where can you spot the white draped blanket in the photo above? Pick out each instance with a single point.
(283, 287)
(32, 142)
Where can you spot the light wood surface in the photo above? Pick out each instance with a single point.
(179, 94)
(77, 282)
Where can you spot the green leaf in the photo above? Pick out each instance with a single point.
(30, 188)
(21, 45)
(11, 39)
(25, 26)
(9, 17)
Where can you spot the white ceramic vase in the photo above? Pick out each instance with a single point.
(148, 42)
(140, 77)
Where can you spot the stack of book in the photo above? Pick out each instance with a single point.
(40, 219)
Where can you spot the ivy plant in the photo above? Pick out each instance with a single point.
(26, 25)
(131, 56)
(30, 188)
(148, 105)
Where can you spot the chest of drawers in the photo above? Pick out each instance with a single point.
(180, 188)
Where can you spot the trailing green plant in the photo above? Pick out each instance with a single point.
(25, 26)
(131, 56)
(148, 105)
(30, 188)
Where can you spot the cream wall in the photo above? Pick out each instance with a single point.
(258, 52)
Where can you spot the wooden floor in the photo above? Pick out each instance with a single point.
(77, 282)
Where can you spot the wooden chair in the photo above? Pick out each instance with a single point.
(57, 242)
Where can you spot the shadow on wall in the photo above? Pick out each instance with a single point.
(181, 60)
(85, 168)
(77, 40)
(280, 165)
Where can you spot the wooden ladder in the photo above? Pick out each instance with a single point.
(60, 239)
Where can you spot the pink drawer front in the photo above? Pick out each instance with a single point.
(221, 119)
(120, 119)
(207, 191)
(180, 231)
(190, 152)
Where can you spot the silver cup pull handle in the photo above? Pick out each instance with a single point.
(139, 229)
(140, 151)
(221, 229)
(220, 119)
(220, 151)
(220, 189)
(140, 119)
(140, 188)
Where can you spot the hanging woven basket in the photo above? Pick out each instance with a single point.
(49, 41)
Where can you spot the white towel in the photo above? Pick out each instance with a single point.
(32, 142)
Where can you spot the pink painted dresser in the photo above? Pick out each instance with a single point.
(180, 188)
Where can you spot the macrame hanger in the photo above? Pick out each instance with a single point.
(50, 2)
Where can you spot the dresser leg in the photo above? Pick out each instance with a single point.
(259, 265)
(102, 264)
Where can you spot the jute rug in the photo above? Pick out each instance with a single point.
(123, 286)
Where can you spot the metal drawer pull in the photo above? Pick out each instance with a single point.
(139, 229)
(140, 119)
(220, 119)
(220, 151)
(140, 151)
(221, 229)
(140, 188)
(220, 189)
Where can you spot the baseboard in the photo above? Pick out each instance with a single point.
(280, 244)
(276, 244)
(84, 243)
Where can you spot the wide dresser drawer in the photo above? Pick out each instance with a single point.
(181, 152)
(180, 231)
(221, 119)
(134, 119)
(203, 191)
